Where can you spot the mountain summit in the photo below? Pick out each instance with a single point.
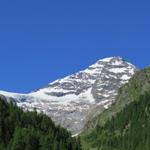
(69, 101)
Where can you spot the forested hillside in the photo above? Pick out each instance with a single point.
(21, 130)
(128, 130)
(137, 85)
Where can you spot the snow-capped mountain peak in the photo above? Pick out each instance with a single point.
(69, 100)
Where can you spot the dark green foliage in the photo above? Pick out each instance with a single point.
(128, 130)
(21, 130)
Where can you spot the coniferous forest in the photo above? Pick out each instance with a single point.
(21, 130)
(128, 130)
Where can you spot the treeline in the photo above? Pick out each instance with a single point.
(21, 130)
(128, 130)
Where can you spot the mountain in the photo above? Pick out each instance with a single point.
(75, 99)
(126, 124)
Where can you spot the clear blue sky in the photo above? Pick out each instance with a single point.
(42, 40)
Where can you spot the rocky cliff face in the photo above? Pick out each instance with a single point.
(68, 101)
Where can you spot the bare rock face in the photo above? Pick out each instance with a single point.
(68, 101)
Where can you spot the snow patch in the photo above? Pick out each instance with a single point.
(117, 70)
